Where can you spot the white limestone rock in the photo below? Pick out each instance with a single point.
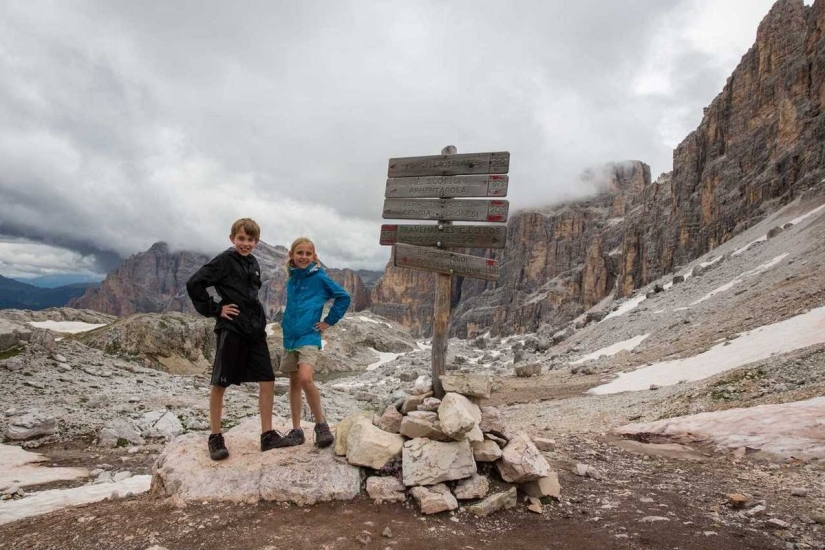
(423, 424)
(119, 431)
(391, 420)
(302, 475)
(427, 462)
(521, 461)
(468, 385)
(370, 446)
(342, 431)
(434, 499)
(492, 422)
(486, 451)
(494, 503)
(544, 487)
(472, 488)
(28, 426)
(386, 489)
(458, 415)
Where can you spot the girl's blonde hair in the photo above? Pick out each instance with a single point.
(295, 244)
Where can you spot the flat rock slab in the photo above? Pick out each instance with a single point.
(303, 475)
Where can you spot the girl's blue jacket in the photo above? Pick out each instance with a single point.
(307, 290)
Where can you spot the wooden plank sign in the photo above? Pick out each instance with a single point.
(447, 186)
(467, 210)
(441, 261)
(449, 165)
(445, 236)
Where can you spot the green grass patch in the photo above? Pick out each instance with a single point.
(9, 353)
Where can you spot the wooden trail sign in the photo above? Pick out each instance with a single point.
(441, 261)
(449, 165)
(424, 188)
(447, 186)
(469, 210)
(445, 236)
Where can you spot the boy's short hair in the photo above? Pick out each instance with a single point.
(249, 226)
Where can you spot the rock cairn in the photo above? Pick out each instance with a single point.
(444, 451)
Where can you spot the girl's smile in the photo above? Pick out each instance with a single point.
(303, 255)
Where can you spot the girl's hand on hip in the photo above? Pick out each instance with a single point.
(321, 326)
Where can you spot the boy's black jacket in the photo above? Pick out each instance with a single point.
(236, 279)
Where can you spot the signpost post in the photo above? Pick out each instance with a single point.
(423, 188)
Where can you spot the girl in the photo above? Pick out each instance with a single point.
(308, 288)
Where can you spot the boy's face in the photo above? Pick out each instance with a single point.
(303, 255)
(243, 243)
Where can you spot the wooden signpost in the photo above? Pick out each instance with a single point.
(423, 188)
(446, 186)
(445, 236)
(466, 210)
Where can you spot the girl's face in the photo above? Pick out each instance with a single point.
(303, 255)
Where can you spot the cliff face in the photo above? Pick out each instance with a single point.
(155, 282)
(759, 145)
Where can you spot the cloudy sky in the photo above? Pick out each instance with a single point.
(124, 123)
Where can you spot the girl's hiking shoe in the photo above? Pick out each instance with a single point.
(269, 440)
(291, 439)
(323, 437)
(217, 448)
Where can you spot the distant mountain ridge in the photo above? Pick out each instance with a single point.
(17, 295)
(155, 282)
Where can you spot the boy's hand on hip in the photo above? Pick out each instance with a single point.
(229, 311)
(321, 326)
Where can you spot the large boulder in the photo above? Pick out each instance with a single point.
(301, 475)
(426, 462)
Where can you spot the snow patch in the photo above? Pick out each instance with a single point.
(786, 430)
(68, 327)
(383, 357)
(754, 345)
(625, 345)
(54, 499)
(626, 306)
(755, 271)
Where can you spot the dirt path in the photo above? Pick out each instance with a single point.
(139, 523)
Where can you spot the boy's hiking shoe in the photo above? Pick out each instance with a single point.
(217, 448)
(269, 440)
(291, 439)
(323, 437)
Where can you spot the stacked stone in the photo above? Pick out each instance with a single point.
(443, 441)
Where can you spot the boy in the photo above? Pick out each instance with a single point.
(241, 354)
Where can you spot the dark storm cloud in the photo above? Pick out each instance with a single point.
(125, 123)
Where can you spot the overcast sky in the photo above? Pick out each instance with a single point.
(124, 123)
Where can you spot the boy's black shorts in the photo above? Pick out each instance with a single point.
(239, 360)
